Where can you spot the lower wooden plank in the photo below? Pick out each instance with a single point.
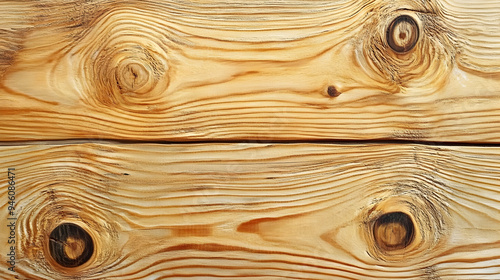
(251, 211)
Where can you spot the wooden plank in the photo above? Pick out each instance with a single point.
(273, 70)
(255, 211)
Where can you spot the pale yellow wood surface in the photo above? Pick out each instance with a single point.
(205, 70)
(256, 211)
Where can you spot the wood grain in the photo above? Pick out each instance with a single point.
(258, 211)
(232, 70)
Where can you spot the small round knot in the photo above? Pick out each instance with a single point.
(332, 91)
(70, 245)
(402, 34)
(393, 231)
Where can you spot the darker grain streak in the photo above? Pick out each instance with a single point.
(195, 230)
(253, 226)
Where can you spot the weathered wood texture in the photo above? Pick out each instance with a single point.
(198, 70)
(257, 211)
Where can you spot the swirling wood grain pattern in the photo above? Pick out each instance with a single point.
(257, 211)
(198, 70)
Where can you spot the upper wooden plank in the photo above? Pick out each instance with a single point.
(235, 70)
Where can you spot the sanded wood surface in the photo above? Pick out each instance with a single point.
(256, 211)
(266, 70)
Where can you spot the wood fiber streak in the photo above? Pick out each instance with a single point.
(233, 70)
(256, 211)
(479, 29)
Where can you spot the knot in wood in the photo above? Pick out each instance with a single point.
(402, 34)
(70, 245)
(137, 70)
(132, 76)
(407, 221)
(407, 49)
(393, 231)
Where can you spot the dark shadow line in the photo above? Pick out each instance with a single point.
(251, 141)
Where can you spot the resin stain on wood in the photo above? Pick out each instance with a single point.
(240, 70)
(254, 211)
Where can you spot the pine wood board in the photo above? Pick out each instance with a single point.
(261, 70)
(255, 211)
